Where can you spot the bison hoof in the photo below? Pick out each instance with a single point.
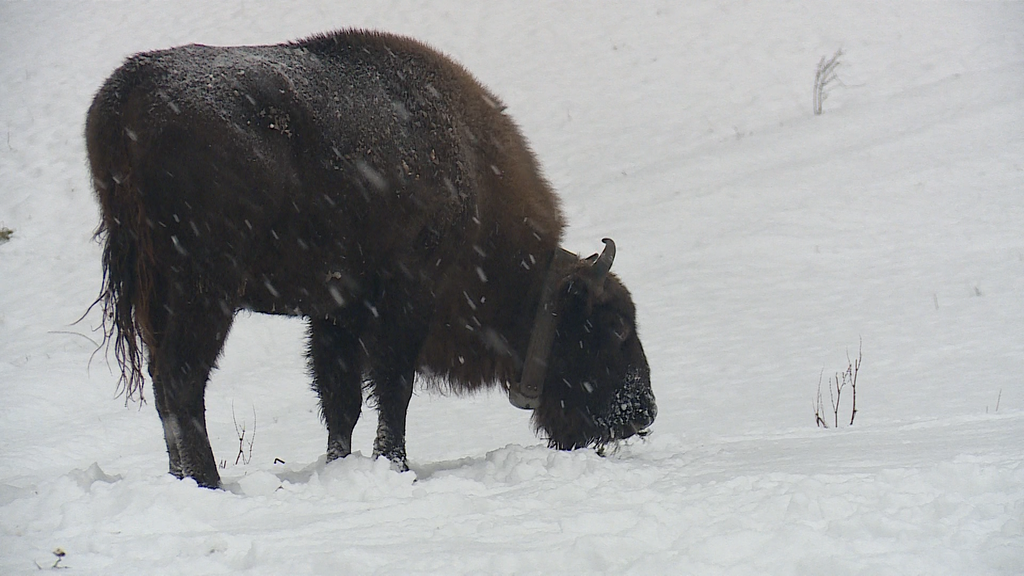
(209, 478)
(336, 451)
(211, 481)
(396, 455)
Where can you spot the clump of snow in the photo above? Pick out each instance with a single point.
(761, 243)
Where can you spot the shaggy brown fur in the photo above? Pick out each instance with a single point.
(363, 181)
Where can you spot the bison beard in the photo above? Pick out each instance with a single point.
(371, 185)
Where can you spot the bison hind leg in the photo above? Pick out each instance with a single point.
(188, 445)
(191, 337)
(189, 452)
(335, 360)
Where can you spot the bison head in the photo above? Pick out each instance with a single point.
(586, 375)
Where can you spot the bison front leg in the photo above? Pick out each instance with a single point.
(335, 358)
(393, 392)
(392, 370)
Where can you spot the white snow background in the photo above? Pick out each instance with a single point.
(762, 245)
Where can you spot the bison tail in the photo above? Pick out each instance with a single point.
(124, 230)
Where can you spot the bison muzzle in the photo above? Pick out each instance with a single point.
(373, 186)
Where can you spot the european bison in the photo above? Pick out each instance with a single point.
(373, 186)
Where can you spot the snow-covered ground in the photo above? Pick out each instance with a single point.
(762, 244)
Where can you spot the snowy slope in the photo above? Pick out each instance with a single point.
(762, 245)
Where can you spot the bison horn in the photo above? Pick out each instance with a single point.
(599, 269)
(604, 261)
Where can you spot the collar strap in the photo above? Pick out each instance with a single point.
(525, 393)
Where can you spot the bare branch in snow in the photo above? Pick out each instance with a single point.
(824, 77)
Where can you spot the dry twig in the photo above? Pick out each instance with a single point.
(244, 456)
(823, 77)
(836, 385)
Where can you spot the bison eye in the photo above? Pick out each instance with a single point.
(621, 330)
